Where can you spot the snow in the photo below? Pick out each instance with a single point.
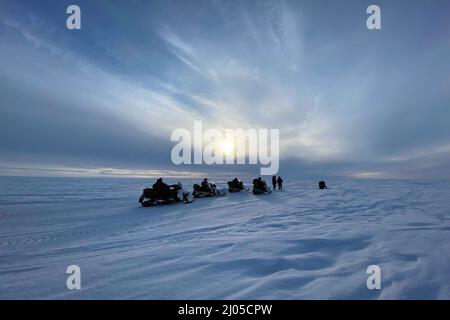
(299, 243)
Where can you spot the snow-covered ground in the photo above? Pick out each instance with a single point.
(300, 243)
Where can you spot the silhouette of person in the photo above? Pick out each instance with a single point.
(206, 186)
(261, 185)
(161, 189)
(235, 183)
(322, 185)
(274, 182)
(238, 184)
(280, 183)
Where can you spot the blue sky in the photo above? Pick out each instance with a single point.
(347, 100)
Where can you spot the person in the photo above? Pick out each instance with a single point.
(256, 184)
(261, 184)
(177, 191)
(274, 182)
(205, 185)
(322, 185)
(161, 189)
(235, 185)
(280, 183)
(208, 187)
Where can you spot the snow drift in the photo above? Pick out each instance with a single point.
(299, 243)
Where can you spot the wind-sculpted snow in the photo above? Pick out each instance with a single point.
(299, 243)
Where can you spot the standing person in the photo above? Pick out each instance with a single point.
(274, 182)
(280, 183)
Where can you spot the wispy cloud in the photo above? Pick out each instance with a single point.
(116, 91)
(61, 171)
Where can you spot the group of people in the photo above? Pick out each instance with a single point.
(278, 182)
(164, 192)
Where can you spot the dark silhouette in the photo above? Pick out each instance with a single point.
(205, 189)
(174, 188)
(206, 186)
(260, 186)
(235, 185)
(280, 183)
(274, 182)
(322, 185)
(161, 190)
(161, 194)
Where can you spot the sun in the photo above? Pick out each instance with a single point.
(227, 147)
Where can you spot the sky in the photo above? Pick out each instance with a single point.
(348, 101)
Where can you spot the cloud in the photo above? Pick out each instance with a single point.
(63, 171)
(345, 100)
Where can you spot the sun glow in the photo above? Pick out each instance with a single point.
(227, 147)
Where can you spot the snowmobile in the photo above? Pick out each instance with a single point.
(236, 186)
(260, 187)
(176, 194)
(203, 192)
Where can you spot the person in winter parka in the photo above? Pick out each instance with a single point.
(280, 183)
(161, 189)
(274, 182)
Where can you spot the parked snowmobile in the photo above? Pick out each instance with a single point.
(173, 194)
(207, 189)
(236, 185)
(260, 187)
